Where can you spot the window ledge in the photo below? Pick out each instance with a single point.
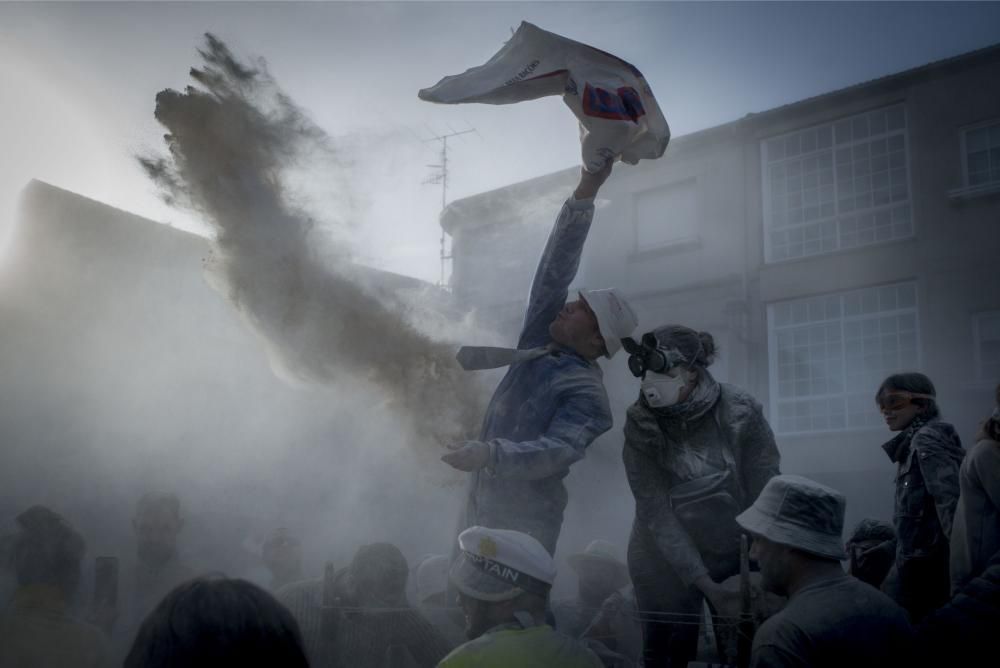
(972, 192)
(670, 248)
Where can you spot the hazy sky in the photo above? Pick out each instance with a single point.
(77, 85)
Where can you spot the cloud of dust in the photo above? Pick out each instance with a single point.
(235, 145)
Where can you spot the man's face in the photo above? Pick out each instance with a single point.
(596, 581)
(156, 535)
(476, 613)
(283, 557)
(772, 559)
(575, 326)
(897, 409)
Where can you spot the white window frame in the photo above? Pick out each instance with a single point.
(677, 242)
(963, 145)
(773, 360)
(766, 195)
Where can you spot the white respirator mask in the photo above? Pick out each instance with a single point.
(662, 390)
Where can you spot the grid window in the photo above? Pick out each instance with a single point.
(830, 353)
(988, 345)
(982, 155)
(837, 186)
(666, 215)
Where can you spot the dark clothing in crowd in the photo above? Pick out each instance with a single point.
(361, 638)
(215, 623)
(928, 455)
(963, 632)
(871, 551)
(614, 625)
(836, 622)
(975, 537)
(718, 433)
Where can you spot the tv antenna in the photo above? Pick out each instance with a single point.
(440, 176)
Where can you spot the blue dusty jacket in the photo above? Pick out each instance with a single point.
(928, 456)
(546, 411)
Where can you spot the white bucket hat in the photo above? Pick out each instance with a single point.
(432, 576)
(601, 552)
(615, 317)
(800, 513)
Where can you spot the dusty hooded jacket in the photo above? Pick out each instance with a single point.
(928, 455)
(546, 411)
(662, 452)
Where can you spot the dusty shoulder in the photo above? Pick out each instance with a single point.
(937, 436)
(739, 402)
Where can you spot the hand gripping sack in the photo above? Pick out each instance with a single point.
(618, 114)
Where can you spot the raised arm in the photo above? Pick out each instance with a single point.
(560, 260)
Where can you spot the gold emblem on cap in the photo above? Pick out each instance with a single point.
(487, 547)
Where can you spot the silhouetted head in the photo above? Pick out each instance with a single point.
(377, 576)
(282, 555)
(157, 523)
(218, 622)
(47, 551)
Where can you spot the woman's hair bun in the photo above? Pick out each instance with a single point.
(708, 349)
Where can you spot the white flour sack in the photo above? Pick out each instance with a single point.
(617, 111)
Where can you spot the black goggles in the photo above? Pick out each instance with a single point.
(645, 356)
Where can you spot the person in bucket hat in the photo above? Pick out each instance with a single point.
(503, 579)
(831, 618)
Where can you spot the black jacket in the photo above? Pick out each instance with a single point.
(963, 632)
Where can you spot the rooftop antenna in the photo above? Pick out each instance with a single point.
(440, 175)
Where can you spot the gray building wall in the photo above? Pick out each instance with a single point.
(714, 275)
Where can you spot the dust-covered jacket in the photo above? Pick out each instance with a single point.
(928, 455)
(660, 454)
(546, 411)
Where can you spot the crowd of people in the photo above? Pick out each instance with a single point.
(704, 468)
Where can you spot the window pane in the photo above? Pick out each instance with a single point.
(866, 171)
(895, 119)
(666, 215)
(977, 140)
(825, 382)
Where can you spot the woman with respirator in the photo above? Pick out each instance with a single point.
(697, 453)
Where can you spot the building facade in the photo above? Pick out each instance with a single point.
(825, 244)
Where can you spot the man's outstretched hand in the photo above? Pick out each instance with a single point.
(591, 183)
(467, 456)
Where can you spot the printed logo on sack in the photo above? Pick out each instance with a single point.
(623, 104)
(523, 74)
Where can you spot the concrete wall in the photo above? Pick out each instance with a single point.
(719, 281)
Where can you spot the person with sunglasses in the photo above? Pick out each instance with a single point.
(697, 453)
(928, 453)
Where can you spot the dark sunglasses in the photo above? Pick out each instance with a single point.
(894, 401)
